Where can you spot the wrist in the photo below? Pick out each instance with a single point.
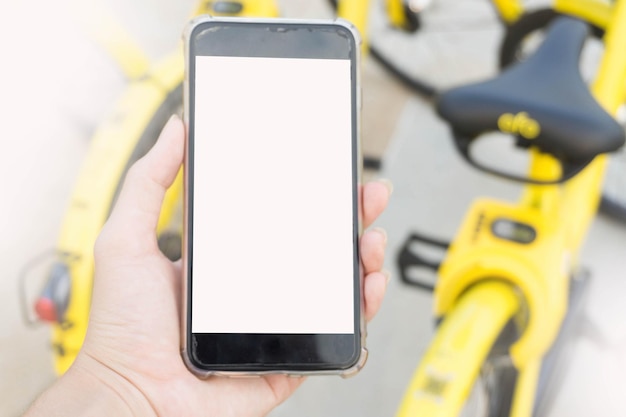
(88, 389)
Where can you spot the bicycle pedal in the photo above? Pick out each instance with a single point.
(419, 259)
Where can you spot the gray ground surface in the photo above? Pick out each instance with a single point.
(57, 84)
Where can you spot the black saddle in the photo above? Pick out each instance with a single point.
(543, 101)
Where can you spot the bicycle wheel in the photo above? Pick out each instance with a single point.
(520, 40)
(466, 370)
(128, 134)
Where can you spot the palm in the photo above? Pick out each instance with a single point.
(141, 327)
(134, 326)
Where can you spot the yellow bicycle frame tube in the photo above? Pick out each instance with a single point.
(395, 12)
(593, 11)
(610, 86)
(357, 13)
(443, 381)
(509, 10)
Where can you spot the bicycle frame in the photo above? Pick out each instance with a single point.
(539, 271)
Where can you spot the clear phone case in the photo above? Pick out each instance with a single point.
(185, 348)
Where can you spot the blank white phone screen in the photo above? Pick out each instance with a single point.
(273, 221)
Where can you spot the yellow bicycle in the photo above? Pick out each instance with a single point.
(154, 93)
(510, 287)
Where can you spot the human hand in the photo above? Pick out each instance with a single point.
(132, 348)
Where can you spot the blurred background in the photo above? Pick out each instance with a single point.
(57, 84)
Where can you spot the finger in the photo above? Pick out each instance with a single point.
(373, 243)
(282, 387)
(374, 288)
(139, 203)
(256, 396)
(375, 198)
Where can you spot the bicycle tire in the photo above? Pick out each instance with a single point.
(497, 378)
(613, 200)
(414, 84)
(501, 380)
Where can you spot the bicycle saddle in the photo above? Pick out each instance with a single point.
(543, 101)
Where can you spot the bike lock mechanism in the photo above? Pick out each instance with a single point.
(54, 295)
(226, 7)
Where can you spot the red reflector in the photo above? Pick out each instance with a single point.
(45, 310)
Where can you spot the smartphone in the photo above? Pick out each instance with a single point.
(271, 260)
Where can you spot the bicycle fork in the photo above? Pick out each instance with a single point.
(508, 262)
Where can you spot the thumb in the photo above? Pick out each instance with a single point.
(138, 206)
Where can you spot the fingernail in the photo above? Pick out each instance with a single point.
(387, 275)
(383, 232)
(173, 117)
(387, 183)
